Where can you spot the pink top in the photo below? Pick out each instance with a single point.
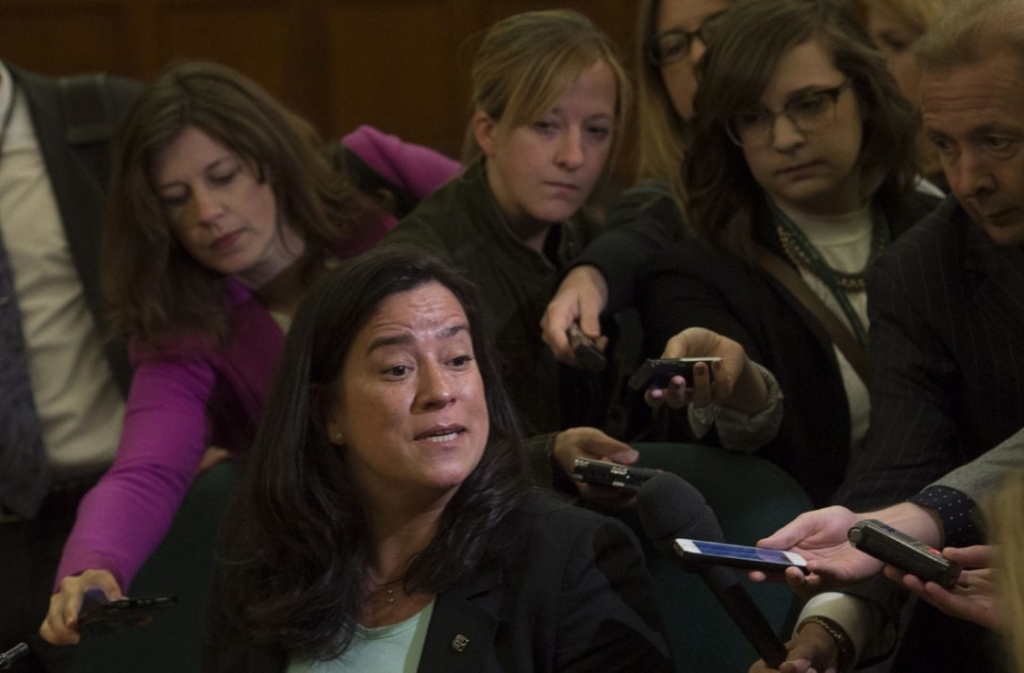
(189, 395)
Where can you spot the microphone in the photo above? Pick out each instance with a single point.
(670, 508)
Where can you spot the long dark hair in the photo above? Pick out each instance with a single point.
(295, 552)
(152, 284)
(733, 74)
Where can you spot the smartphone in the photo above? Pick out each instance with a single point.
(896, 548)
(611, 474)
(702, 552)
(586, 352)
(658, 372)
(102, 617)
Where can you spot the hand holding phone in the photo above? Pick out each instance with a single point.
(898, 549)
(659, 371)
(604, 473)
(584, 349)
(98, 616)
(702, 553)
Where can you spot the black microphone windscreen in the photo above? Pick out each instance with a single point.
(670, 507)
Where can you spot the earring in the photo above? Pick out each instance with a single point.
(338, 437)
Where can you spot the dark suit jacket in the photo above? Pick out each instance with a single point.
(947, 385)
(570, 593)
(947, 357)
(77, 167)
(693, 284)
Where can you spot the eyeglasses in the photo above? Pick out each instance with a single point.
(674, 45)
(756, 127)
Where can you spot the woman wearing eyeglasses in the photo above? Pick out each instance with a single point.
(800, 171)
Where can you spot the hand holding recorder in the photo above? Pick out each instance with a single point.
(579, 300)
(591, 444)
(722, 374)
(972, 597)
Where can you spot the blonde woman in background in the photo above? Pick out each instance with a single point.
(895, 25)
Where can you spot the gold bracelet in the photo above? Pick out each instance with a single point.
(844, 644)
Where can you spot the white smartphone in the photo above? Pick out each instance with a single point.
(738, 556)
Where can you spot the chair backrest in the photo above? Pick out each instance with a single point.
(182, 565)
(751, 498)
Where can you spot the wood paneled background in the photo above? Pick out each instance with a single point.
(401, 65)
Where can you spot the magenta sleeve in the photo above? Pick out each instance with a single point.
(417, 169)
(123, 518)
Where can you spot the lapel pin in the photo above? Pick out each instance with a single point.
(460, 642)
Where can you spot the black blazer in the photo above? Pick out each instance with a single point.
(947, 356)
(693, 284)
(77, 166)
(569, 594)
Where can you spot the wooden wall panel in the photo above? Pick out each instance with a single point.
(390, 66)
(252, 37)
(63, 37)
(401, 65)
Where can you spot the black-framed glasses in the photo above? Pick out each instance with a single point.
(674, 45)
(808, 112)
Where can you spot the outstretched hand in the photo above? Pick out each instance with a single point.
(592, 444)
(972, 597)
(61, 624)
(580, 298)
(820, 536)
(732, 382)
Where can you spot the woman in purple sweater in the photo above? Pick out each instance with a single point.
(223, 212)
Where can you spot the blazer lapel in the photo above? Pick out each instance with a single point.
(1000, 269)
(462, 629)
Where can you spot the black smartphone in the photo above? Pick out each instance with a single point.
(701, 552)
(586, 352)
(896, 548)
(611, 474)
(659, 371)
(101, 617)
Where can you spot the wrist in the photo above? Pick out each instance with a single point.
(845, 652)
(750, 394)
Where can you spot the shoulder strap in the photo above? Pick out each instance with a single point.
(855, 353)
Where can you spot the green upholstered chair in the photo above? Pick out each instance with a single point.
(751, 498)
(182, 565)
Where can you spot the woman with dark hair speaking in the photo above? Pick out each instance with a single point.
(387, 521)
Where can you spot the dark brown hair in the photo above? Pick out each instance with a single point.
(748, 46)
(294, 553)
(153, 285)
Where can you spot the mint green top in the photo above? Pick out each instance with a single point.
(396, 647)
